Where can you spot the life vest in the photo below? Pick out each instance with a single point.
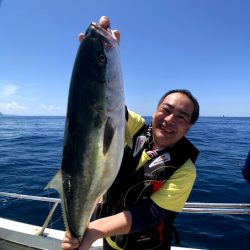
(131, 186)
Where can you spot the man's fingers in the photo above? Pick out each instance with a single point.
(67, 234)
(81, 37)
(69, 246)
(104, 22)
(70, 241)
(117, 35)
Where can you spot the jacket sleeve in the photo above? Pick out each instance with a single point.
(175, 191)
(147, 214)
(134, 121)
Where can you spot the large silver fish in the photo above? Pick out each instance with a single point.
(94, 129)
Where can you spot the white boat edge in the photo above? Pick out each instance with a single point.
(21, 236)
(24, 236)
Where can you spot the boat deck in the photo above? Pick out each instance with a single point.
(20, 236)
(7, 245)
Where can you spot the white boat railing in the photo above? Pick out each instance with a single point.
(189, 207)
(29, 197)
(217, 208)
(56, 201)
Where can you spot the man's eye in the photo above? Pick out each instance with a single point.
(182, 117)
(166, 111)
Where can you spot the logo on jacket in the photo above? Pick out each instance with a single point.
(161, 159)
(139, 144)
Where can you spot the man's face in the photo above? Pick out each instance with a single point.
(171, 121)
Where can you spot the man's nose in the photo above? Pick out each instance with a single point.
(170, 119)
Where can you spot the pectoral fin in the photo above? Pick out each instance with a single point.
(108, 135)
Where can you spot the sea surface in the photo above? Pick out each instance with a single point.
(30, 154)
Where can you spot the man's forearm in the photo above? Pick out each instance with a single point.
(117, 224)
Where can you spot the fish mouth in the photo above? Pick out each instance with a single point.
(108, 34)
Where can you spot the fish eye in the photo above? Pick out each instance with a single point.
(101, 58)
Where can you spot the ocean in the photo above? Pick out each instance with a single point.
(30, 154)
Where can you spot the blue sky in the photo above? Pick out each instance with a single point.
(200, 45)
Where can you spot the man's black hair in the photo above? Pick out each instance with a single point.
(195, 114)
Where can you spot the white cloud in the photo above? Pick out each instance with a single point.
(11, 106)
(8, 90)
(50, 107)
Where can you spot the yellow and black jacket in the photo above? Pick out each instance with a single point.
(154, 188)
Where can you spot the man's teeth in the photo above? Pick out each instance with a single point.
(167, 129)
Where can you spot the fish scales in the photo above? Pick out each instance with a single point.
(94, 129)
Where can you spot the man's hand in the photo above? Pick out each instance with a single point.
(69, 242)
(104, 22)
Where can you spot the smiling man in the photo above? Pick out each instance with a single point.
(172, 118)
(154, 181)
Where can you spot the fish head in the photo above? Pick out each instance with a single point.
(96, 65)
(106, 36)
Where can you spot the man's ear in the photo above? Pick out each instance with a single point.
(188, 127)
